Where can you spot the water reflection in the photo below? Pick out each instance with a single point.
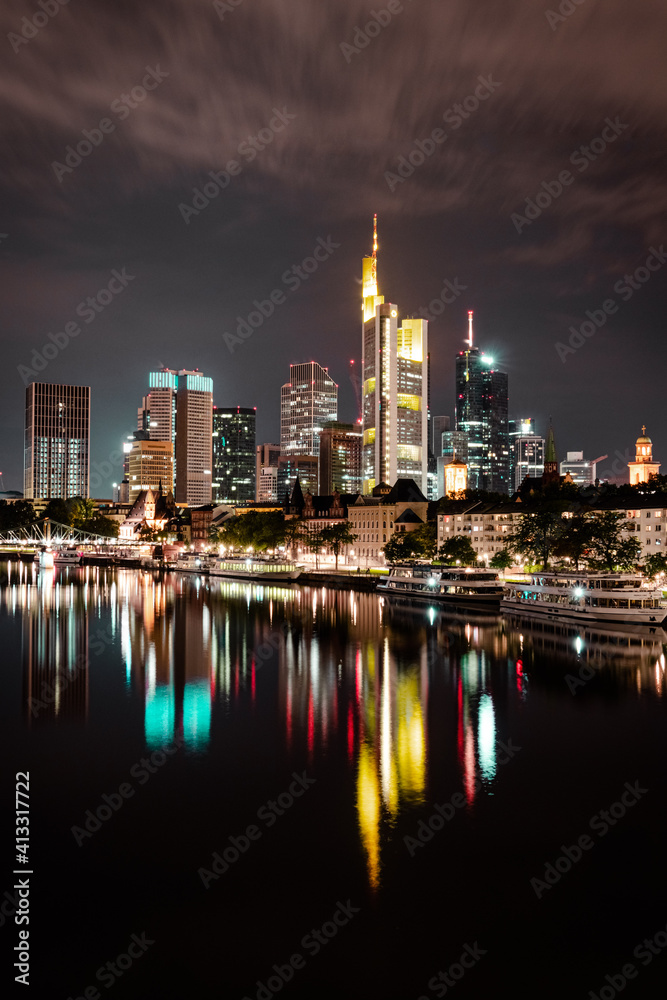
(410, 700)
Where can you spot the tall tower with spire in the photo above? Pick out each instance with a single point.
(394, 388)
(551, 471)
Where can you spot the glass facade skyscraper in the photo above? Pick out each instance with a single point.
(481, 413)
(56, 441)
(234, 454)
(395, 389)
(307, 402)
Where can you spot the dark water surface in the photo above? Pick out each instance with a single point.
(311, 793)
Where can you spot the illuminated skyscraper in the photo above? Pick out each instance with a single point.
(179, 409)
(340, 458)
(266, 472)
(234, 454)
(161, 406)
(481, 412)
(57, 441)
(395, 386)
(307, 402)
(194, 438)
(150, 466)
(526, 452)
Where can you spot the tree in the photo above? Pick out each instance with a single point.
(458, 550)
(609, 545)
(426, 536)
(315, 542)
(575, 539)
(502, 560)
(101, 525)
(16, 514)
(59, 510)
(655, 564)
(337, 536)
(536, 534)
(401, 545)
(82, 511)
(293, 532)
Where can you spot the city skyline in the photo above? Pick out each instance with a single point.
(133, 255)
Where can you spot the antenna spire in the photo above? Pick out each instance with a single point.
(470, 327)
(375, 248)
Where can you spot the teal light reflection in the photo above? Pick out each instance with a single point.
(486, 737)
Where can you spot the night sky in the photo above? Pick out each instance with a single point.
(333, 123)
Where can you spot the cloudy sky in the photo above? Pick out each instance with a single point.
(445, 118)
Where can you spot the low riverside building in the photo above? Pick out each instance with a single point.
(316, 513)
(387, 510)
(489, 526)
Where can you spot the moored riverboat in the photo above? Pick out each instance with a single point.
(431, 584)
(595, 597)
(243, 568)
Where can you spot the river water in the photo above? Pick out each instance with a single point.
(245, 791)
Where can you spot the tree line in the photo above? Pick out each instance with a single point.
(74, 513)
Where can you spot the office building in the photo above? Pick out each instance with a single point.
(340, 458)
(307, 402)
(395, 388)
(234, 454)
(150, 467)
(56, 441)
(266, 472)
(194, 438)
(158, 409)
(306, 467)
(582, 471)
(440, 424)
(179, 409)
(481, 412)
(526, 452)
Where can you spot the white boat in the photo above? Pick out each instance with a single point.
(268, 570)
(68, 555)
(456, 585)
(587, 597)
(191, 562)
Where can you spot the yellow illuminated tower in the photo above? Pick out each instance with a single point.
(395, 416)
(644, 465)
